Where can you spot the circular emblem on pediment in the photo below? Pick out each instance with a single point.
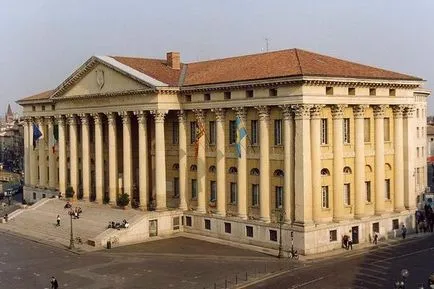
(100, 78)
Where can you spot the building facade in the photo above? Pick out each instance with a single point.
(330, 145)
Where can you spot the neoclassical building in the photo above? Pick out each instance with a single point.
(332, 147)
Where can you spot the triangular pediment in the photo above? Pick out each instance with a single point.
(104, 75)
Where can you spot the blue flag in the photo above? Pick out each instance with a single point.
(36, 135)
(241, 133)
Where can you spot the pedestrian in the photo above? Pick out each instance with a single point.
(58, 221)
(403, 231)
(54, 284)
(350, 243)
(6, 218)
(375, 238)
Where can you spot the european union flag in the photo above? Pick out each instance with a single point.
(36, 135)
(241, 133)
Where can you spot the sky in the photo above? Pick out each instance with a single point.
(43, 42)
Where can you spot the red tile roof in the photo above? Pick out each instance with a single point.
(39, 96)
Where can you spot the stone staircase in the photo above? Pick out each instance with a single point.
(39, 221)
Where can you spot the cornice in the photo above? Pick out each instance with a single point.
(109, 94)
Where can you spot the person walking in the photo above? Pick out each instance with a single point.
(403, 231)
(375, 238)
(54, 284)
(58, 221)
(350, 243)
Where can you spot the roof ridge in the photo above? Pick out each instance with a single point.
(298, 60)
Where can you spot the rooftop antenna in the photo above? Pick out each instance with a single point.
(267, 40)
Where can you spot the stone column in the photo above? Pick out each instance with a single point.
(288, 130)
(183, 177)
(160, 159)
(264, 162)
(379, 158)
(99, 159)
(398, 141)
(409, 159)
(303, 165)
(201, 162)
(33, 158)
(127, 154)
(143, 159)
(113, 157)
(315, 139)
(62, 154)
(52, 167)
(73, 152)
(27, 151)
(338, 161)
(85, 156)
(242, 169)
(221, 161)
(359, 160)
(42, 155)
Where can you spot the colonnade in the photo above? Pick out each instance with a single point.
(302, 159)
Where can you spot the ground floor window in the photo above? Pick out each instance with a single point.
(333, 235)
(273, 235)
(279, 197)
(325, 196)
(175, 224)
(188, 221)
(228, 228)
(249, 231)
(207, 224)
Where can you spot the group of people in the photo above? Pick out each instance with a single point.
(347, 242)
(118, 225)
(425, 219)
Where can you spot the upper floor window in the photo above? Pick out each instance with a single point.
(417, 113)
(386, 129)
(212, 133)
(279, 197)
(227, 95)
(232, 131)
(43, 108)
(417, 132)
(207, 96)
(324, 131)
(329, 90)
(254, 132)
(387, 189)
(372, 91)
(277, 132)
(347, 194)
(255, 194)
(346, 128)
(273, 92)
(351, 91)
(188, 98)
(392, 92)
(325, 196)
(249, 93)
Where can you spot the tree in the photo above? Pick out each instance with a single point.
(123, 200)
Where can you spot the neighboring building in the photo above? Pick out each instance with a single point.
(11, 142)
(330, 143)
(430, 155)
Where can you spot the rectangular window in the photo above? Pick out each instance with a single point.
(347, 194)
(324, 131)
(207, 97)
(372, 91)
(376, 227)
(386, 129)
(232, 131)
(387, 189)
(233, 191)
(423, 151)
(212, 133)
(175, 133)
(175, 223)
(43, 108)
(325, 196)
(277, 132)
(249, 231)
(392, 92)
(188, 221)
(249, 93)
(273, 235)
(254, 132)
(213, 195)
(176, 187)
(227, 95)
(279, 197)
(228, 228)
(273, 92)
(395, 224)
(34, 196)
(194, 189)
(367, 130)
(347, 131)
(255, 194)
(417, 152)
(329, 90)
(418, 176)
(207, 224)
(53, 107)
(33, 109)
(188, 98)
(368, 191)
(351, 91)
(192, 132)
(333, 235)
(417, 132)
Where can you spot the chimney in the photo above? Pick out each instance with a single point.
(173, 60)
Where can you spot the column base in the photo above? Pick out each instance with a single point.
(222, 214)
(265, 219)
(400, 210)
(162, 209)
(308, 223)
(361, 216)
(242, 216)
(183, 206)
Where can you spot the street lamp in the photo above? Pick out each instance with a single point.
(281, 220)
(71, 239)
(400, 284)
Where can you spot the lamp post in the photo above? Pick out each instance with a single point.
(400, 284)
(281, 220)
(71, 239)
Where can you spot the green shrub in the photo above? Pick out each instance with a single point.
(123, 200)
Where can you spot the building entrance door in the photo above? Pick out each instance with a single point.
(355, 234)
(153, 228)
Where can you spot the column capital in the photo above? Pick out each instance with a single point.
(315, 111)
(409, 111)
(200, 116)
(263, 112)
(97, 118)
(41, 120)
(359, 110)
(141, 116)
(111, 117)
(60, 119)
(287, 111)
(301, 111)
(240, 112)
(49, 120)
(220, 114)
(84, 118)
(159, 115)
(398, 110)
(72, 120)
(379, 110)
(338, 110)
(126, 119)
(182, 115)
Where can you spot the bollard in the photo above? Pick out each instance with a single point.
(265, 268)
(236, 279)
(246, 276)
(215, 285)
(226, 283)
